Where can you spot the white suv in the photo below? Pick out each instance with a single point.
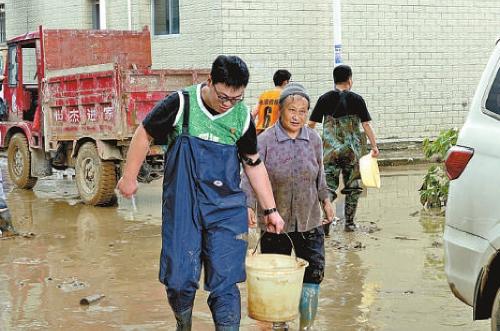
(472, 232)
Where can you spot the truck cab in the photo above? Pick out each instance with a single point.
(73, 99)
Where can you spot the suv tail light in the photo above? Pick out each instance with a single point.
(456, 161)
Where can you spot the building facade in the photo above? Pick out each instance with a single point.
(416, 62)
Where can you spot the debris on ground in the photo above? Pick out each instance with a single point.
(345, 246)
(91, 299)
(415, 213)
(370, 228)
(404, 238)
(72, 284)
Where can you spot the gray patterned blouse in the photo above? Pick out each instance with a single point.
(295, 168)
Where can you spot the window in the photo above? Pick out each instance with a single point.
(2, 23)
(165, 17)
(29, 64)
(12, 66)
(493, 100)
(96, 23)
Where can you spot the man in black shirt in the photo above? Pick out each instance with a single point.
(342, 112)
(208, 130)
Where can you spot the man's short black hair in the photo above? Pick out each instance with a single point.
(230, 70)
(341, 73)
(280, 76)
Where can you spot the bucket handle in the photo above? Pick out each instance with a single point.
(291, 241)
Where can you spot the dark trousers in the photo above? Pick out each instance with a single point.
(309, 246)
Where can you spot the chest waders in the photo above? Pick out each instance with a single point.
(203, 217)
(342, 150)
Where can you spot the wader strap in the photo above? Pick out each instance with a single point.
(185, 115)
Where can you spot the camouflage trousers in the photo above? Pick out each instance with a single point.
(352, 185)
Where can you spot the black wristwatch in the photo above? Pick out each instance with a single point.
(270, 211)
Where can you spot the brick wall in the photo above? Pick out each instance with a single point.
(199, 41)
(416, 62)
(26, 15)
(271, 35)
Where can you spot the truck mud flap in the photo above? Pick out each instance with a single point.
(40, 166)
(108, 151)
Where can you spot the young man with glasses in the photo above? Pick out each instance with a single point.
(208, 130)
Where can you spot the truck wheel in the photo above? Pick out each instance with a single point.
(19, 162)
(95, 178)
(495, 313)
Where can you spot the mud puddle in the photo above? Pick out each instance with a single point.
(387, 275)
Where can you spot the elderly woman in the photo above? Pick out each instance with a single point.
(293, 156)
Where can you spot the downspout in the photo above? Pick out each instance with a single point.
(102, 14)
(129, 8)
(337, 33)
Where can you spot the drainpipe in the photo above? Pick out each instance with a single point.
(337, 33)
(102, 14)
(129, 6)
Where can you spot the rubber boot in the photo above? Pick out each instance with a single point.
(227, 327)
(308, 305)
(350, 212)
(184, 320)
(326, 229)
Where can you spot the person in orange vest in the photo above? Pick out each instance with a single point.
(267, 109)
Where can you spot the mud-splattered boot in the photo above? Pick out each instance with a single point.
(308, 305)
(350, 212)
(184, 320)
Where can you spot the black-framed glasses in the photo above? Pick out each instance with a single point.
(223, 99)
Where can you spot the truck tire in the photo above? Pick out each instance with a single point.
(95, 178)
(19, 162)
(495, 313)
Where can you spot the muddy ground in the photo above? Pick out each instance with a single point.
(386, 276)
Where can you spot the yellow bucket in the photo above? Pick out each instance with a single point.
(274, 286)
(368, 167)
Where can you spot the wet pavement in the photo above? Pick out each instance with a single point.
(388, 275)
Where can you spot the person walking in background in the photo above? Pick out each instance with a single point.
(342, 111)
(266, 110)
(208, 128)
(293, 156)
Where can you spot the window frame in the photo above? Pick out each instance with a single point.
(491, 83)
(171, 16)
(2, 23)
(13, 66)
(96, 19)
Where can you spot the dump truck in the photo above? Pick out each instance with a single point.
(74, 99)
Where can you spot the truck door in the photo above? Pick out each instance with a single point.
(22, 95)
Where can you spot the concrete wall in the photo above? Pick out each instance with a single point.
(416, 62)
